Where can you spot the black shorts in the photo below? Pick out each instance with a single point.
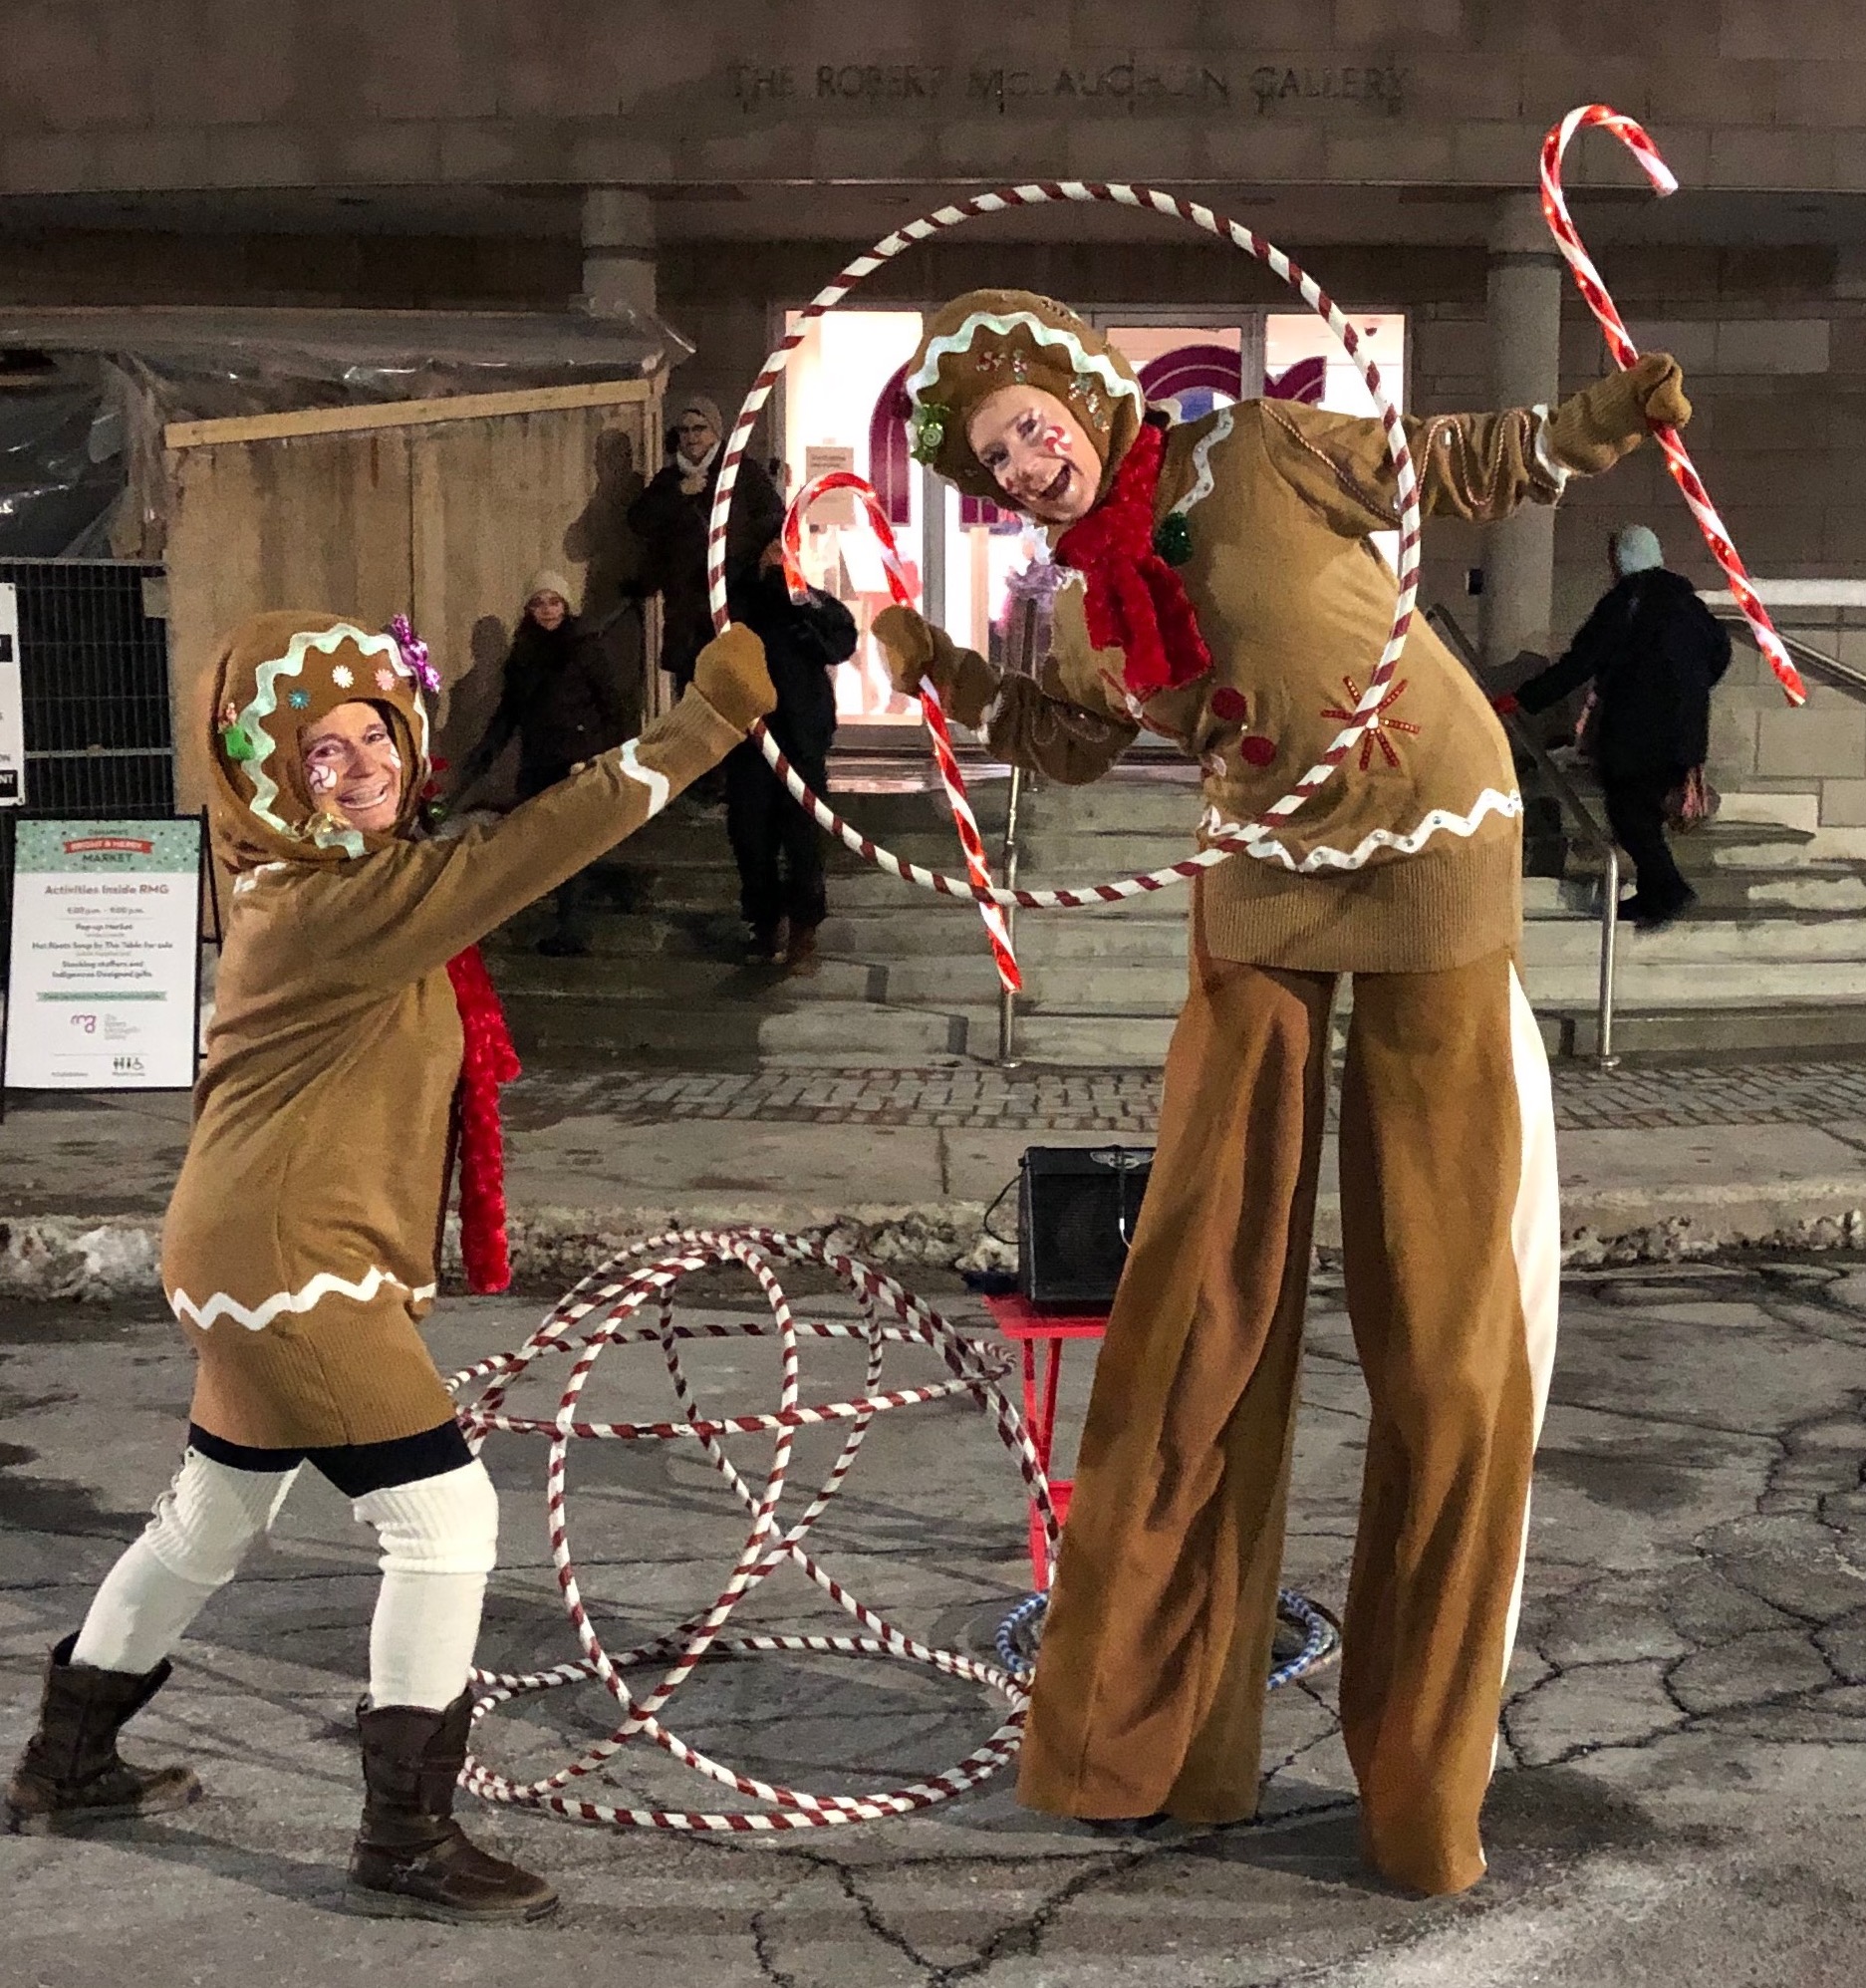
(356, 1469)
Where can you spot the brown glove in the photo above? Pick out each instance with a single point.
(914, 648)
(1593, 428)
(731, 676)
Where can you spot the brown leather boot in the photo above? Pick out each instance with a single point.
(71, 1773)
(412, 1859)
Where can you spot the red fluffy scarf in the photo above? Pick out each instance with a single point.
(1135, 601)
(487, 1061)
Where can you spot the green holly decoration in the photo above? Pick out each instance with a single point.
(1172, 538)
(237, 744)
(927, 431)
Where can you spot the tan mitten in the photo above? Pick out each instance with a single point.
(1593, 428)
(731, 676)
(965, 681)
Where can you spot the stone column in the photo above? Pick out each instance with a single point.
(617, 251)
(1524, 311)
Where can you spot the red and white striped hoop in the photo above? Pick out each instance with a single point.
(601, 1311)
(1198, 216)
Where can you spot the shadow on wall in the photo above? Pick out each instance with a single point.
(614, 560)
(599, 540)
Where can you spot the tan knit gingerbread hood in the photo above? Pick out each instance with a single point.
(276, 674)
(989, 339)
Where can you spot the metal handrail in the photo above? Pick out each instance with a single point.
(1842, 676)
(1445, 623)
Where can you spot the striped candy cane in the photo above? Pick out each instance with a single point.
(1258, 838)
(1626, 353)
(978, 868)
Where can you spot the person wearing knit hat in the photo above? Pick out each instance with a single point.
(671, 516)
(563, 699)
(1232, 600)
(355, 1043)
(1653, 653)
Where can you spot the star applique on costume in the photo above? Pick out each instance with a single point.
(1378, 725)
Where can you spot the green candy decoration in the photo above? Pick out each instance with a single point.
(236, 744)
(1172, 538)
(926, 431)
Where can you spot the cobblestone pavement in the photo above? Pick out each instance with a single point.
(1681, 1798)
(1651, 1097)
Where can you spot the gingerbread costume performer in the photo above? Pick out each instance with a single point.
(1231, 600)
(300, 1245)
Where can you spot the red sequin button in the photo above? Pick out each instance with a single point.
(1229, 705)
(1256, 751)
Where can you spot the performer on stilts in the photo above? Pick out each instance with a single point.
(1232, 601)
(299, 1250)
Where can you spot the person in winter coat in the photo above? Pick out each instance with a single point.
(777, 846)
(300, 1248)
(1232, 601)
(560, 698)
(670, 518)
(1653, 651)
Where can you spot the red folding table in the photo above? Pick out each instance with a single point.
(1021, 1321)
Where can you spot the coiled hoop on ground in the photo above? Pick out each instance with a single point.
(1259, 843)
(606, 1309)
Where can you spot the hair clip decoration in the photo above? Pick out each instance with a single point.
(415, 654)
(927, 431)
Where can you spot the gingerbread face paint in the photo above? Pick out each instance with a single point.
(1038, 454)
(352, 768)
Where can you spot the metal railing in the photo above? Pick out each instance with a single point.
(1590, 832)
(1842, 676)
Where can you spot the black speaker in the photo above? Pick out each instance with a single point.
(1076, 1210)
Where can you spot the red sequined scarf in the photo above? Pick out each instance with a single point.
(487, 1061)
(1135, 601)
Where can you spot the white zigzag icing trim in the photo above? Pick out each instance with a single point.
(1201, 461)
(1261, 844)
(656, 783)
(1080, 358)
(327, 1284)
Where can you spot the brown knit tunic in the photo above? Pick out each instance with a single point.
(300, 1244)
(1407, 859)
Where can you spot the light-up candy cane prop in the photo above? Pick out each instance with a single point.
(1258, 838)
(977, 868)
(1625, 354)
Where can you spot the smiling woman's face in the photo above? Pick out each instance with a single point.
(352, 768)
(1039, 454)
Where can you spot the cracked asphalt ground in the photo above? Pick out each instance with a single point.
(1680, 1799)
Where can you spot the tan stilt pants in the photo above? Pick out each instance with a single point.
(1150, 1690)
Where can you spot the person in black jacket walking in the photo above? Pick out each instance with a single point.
(561, 699)
(670, 518)
(1653, 650)
(803, 641)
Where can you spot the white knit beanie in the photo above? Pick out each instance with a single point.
(1636, 549)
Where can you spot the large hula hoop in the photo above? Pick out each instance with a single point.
(1259, 840)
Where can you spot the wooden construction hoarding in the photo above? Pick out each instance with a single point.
(441, 509)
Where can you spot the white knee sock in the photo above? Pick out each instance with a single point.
(193, 1543)
(439, 1539)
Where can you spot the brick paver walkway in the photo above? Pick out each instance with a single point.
(1652, 1097)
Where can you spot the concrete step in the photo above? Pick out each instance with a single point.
(1763, 942)
(1704, 1031)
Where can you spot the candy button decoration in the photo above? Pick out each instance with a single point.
(1172, 538)
(1256, 751)
(1229, 705)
